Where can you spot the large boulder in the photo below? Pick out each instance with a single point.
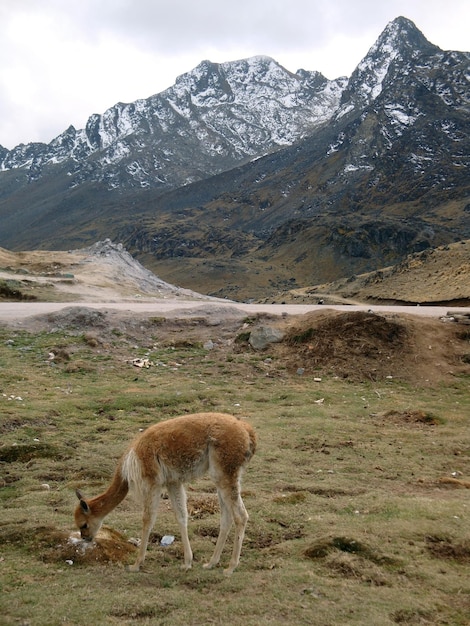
(262, 336)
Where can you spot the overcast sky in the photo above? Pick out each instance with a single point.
(62, 60)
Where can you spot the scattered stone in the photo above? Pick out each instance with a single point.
(461, 318)
(142, 363)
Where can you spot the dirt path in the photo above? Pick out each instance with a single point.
(15, 311)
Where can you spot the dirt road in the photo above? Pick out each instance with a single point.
(15, 311)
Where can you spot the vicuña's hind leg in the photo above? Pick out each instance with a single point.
(177, 497)
(232, 510)
(225, 525)
(240, 518)
(151, 502)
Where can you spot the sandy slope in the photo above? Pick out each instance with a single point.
(105, 272)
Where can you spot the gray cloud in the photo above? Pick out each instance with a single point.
(61, 61)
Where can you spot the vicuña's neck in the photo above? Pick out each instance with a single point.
(114, 494)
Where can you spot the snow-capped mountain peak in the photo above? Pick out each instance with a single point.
(400, 43)
(213, 118)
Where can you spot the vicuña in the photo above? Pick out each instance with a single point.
(167, 455)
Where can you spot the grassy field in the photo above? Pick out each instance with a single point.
(358, 494)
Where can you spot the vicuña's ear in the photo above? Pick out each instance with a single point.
(83, 503)
(85, 507)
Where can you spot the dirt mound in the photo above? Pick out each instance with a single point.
(366, 346)
(413, 417)
(54, 545)
(110, 546)
(77, 317)
(446, 548)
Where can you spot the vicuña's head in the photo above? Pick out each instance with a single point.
(87, 523)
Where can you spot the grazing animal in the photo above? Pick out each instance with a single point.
(170, 454)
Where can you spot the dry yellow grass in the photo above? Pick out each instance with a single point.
(434, 276)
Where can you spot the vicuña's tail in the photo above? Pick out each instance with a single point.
(131, 471)
(253, 438)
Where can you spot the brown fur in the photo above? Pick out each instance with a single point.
(170, 454)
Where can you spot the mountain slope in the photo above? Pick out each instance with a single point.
(213, 118)
(436, 276)
(388, 176)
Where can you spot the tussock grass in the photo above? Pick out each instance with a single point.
(350, 520)
(11, 290)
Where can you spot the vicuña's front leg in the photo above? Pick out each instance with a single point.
(177, 496)
(148, 520)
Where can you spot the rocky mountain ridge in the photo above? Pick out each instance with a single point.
(387, 177)
(212, 118)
